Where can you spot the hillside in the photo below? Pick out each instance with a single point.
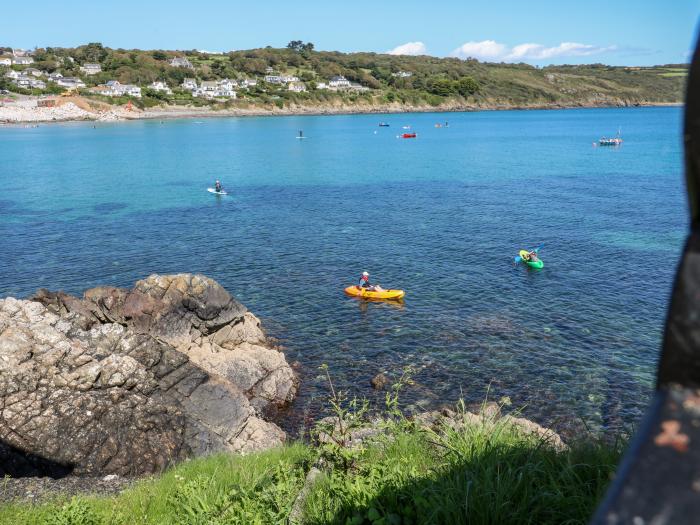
(298, 76)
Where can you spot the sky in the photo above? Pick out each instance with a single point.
(539, 32)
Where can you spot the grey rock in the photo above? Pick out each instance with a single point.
(130, 381)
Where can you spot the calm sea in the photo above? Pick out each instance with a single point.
(440, 216)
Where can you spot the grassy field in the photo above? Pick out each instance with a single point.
(485, 473)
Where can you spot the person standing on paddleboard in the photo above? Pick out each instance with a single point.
(218, 186)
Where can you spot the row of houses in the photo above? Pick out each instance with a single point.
(211, 88)
(30, 78)
(15, 61)
(114, 88)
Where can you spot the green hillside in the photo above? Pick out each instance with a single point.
(397, 80)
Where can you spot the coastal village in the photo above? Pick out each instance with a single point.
(22, 77)
(94, 82)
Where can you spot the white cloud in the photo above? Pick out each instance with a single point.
(491, 50)
(409, 48)
(486, 50)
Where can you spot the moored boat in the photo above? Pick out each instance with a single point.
(614, 141)
(408, 136)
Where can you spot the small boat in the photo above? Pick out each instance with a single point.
(408, 136)
(407, 127)
(385, 295)
(383, 125)
(616, 141)
(609, 142)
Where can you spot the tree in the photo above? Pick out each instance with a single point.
(93, 52)
(300, 47)
(467, 86)
(159, 55)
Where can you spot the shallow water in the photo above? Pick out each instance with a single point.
(440, 216)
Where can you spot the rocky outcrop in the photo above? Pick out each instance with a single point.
(130, 381)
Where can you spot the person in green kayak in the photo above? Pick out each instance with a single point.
(532, 257)
(364, 283)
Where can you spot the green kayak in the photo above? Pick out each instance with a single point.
(532, 264)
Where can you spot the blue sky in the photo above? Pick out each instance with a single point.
(619, 32)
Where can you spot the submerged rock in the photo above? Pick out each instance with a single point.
(129, 381)
(379, 381)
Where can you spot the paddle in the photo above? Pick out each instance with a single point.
(518, 258)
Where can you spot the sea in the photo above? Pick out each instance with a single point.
(574, 345)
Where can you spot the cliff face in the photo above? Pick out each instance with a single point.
(130, 381)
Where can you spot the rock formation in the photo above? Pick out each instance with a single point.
(130, 381)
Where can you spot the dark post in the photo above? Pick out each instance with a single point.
(658, 481)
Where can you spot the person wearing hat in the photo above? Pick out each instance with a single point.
(364, 283)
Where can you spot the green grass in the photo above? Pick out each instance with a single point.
(487, 473)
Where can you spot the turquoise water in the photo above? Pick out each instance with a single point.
(440, 216)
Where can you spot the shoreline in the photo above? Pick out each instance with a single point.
(70, 112)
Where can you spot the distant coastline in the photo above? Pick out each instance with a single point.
(25, 111)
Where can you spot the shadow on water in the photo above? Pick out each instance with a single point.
(19, 464)
(107, 207)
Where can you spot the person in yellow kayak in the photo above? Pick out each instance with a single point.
(364, 283)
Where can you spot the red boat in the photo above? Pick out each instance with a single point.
(408, 136)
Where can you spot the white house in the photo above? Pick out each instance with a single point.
(32, 71)
(29, 82)
(22, 61)
(273, 79)
(5, 61)
(288, 79)
(248, 82)
(91, 69)
(161, 86)
(208, 89)
(181, 62)
(53, 77)
(296, 87)
(13, 74)
(189, 83)
(131, 90)
(402, 74)
(321, 85)
(358, 87)
(114, 89)
(339, 81)
(22, 81)
(70, 82)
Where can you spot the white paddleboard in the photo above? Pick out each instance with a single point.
(212, 190)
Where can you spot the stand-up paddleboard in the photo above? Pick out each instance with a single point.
(212, 190)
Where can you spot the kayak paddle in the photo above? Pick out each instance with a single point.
(518, 258)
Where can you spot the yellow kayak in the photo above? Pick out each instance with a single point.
(357, 291)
